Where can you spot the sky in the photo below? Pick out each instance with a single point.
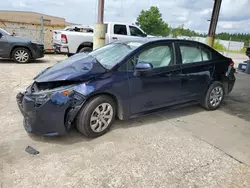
(234, 16)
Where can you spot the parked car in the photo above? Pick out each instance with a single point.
(21, 50)
(70, 43)
(124, 80)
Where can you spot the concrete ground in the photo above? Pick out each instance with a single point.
(187, 147)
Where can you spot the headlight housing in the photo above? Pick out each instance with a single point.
(43, 96)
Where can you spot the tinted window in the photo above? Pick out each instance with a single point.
(190, 53)
(206, 54)
(134, 31)
(159, 56)
(120, 29)
(112, 54)
(106, 28)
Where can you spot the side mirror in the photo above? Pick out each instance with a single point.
(142, 67)
(144, 35)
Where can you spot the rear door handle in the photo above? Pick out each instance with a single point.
(115, 38)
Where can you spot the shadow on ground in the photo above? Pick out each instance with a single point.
(10, 61)
(75, 137)
(237, 103)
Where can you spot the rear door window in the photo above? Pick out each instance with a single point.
(192, 53)
(120, 29)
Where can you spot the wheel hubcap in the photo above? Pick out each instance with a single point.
(101, 117)
(216, 96)
(21, 56)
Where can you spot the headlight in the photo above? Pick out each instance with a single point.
(44, 96)
(41, 99)
(35, 42)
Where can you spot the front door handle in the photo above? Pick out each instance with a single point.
(115, 38)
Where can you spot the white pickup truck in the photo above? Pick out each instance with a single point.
(71, 42)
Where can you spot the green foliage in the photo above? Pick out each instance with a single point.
(218, 46)
(185, 32)
(152, 23)
(243, 50)
(240, 37)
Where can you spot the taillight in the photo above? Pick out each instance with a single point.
(231, 64)
(64, 39)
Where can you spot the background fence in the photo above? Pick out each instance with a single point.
(226, 45)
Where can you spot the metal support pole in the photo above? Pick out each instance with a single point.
(229, 44)
(100, 28)
(42, 30)
(214, 21)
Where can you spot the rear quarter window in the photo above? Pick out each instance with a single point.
(206, 53)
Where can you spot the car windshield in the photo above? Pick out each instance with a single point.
(112, 54)
(108, 56)
(4, 32)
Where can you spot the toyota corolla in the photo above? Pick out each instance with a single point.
(124, 80)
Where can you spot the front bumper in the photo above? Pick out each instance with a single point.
(38, 51)
(54, 117)
(60, 49)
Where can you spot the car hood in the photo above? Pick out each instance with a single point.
(18, 39)
(80, 67)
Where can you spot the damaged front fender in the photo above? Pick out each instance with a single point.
(54, 117)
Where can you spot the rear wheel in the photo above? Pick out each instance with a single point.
(69, 55)
(96, 117)
(214, 96)
(21, 55)
(85, 50)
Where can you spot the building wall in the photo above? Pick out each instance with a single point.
(29, 17)
(28, 24)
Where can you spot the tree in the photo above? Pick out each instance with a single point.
(152, 23)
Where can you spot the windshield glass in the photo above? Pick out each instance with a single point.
(108, 56)
(4, 32)
(112, 54)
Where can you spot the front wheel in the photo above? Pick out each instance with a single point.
(214, 96)
(85, 50)
(96, 117)
(21, 55)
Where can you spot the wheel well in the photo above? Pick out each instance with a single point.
(85, 44)
(15, 47)
(224, 81)
(119, 111)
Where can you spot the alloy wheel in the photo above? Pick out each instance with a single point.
(216, 96)
(101, 117)
(21, 56)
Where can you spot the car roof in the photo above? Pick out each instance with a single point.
(158, 39)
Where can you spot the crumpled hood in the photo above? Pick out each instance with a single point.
(80, 67)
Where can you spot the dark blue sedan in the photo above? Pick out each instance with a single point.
(124, 80)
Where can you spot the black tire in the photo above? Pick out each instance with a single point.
(85, 50)
(206, 102)
(69, 55)
(83, 118)
(24, 51)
